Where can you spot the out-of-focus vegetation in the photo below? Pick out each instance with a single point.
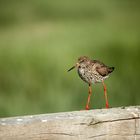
(40, 40)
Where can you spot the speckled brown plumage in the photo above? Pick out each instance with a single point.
(93, 71)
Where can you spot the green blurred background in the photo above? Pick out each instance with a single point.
(41, 40)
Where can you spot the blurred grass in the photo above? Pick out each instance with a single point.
(39, 41)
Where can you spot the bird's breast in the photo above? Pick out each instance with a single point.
(89, 75)
(83, 73)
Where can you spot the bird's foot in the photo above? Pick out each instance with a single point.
(87, 107)
(107, 105)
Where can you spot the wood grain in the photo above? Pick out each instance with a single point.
(100, 124)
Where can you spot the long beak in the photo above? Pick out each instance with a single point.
(71, 68)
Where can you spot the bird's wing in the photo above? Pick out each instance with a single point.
(102, 70)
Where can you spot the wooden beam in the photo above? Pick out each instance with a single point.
(100, 124)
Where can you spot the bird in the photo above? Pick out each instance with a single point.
(92, 72)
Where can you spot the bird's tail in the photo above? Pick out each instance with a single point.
(111, 69)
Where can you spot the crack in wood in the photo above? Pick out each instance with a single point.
(95, 122)
(59, 133)
(125, 135)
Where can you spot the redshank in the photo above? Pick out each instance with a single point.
(93, 71)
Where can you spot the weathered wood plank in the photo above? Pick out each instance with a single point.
(100, 124)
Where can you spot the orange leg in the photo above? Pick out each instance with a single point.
(89, 94)
(105, 94)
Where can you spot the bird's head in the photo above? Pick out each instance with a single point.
(81, 60)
